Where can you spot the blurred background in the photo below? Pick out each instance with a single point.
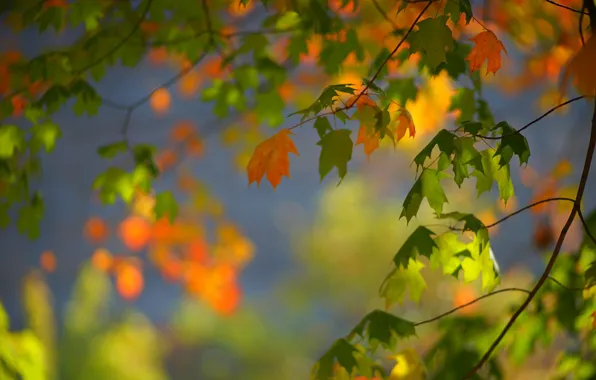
(307, 258)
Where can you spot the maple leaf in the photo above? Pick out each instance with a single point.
(487, 47)
(271, 157)
(581, 67)
(404, 122)
(361, 102)
(369, 138)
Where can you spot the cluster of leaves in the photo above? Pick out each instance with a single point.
(328, 33)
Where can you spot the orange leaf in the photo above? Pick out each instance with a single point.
(47, 261)
(18, 105)
(166, 159)
(404, 123)
(487, 47)
(158, 56)
(96, 230)
(160, 101)
(237, 9)
(581, 68)
(362, 101)
(129, 281)
(194, 147)
(182, 131)
(189, 84)
(369, 138)
(101, 260)
(135, 232)
(271, 157)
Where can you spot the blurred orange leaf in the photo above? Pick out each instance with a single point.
(96, 230)
(487, 47)
(101, 260)
(581, 68)
(182, 130)
(129, 281)
(271, 157)
(134, 232)
(47, 261)
(160, 100)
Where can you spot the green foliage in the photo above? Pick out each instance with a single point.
(432, 38)
(336, 151)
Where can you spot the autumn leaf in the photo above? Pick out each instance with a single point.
(129, 281)
(487, 47)
(404, 123)
(360, 102)
(160, 101)
(581, 68)
(135, 232)
(47, 261)
(369, 138)
(271, 158)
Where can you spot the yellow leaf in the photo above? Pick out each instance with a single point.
(408, 366)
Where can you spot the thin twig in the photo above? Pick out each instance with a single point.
(384, 14)
(370, 82)
(586, 227)
(533, 121)
(119, 44)
(470, 303)
(567, 7)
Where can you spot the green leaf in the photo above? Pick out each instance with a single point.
(432, 39)
(45, 135)
(11, 139)
(512, 142)
(113, 149)
(456, 64)
(401, 279)
(444, 139)
(456, 8)
(420, 242)
(336, 151)
(165, 204)
(427, 186)
(270, 108)
(112, 183)
(30, 217)
(463, 100)
(323, 126)
(403, 89)
(334, 53)
(288, 20)
(380, 327)
(325, 100)
(341, 352)
(479, 264)
(489, 171)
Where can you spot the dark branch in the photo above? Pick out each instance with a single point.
(566, 7)
(533, 121)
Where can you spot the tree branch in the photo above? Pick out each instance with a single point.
(566, 7)
(121, 43)
(403, 39)
(384, 14)
(470, 303)
(533, 121)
